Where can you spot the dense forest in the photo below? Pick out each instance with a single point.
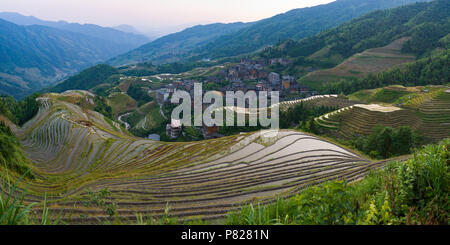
(174, 47)
(140, 95)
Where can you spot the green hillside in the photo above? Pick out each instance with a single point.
(174, 47)
(362, 64)
(433, 70)
(375, 39)
(220, 40)
(295, 24)
(423, 109)
(86, 79)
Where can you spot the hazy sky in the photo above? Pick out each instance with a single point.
(163, 16)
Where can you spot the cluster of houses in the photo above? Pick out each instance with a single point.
(248, 75)
(255, 70)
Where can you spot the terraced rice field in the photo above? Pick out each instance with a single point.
(319, 100)
(73, 150)
(360, 65)
(430, 117)
(313, 101)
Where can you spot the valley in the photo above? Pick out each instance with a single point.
(361, 87)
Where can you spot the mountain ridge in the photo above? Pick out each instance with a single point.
(132, 40)
(170, 47)
(295, 24)
(34, 57)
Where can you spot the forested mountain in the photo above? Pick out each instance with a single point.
(34, 57)
(219, 40)
(421, 29)
(295, 24)
(173, 47)
(127, 39)
(424, 23)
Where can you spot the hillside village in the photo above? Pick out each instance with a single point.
(248, 75)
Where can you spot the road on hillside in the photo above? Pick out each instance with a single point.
(127, 125)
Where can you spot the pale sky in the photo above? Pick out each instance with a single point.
(163, 16)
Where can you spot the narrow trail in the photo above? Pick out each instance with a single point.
(127, 125)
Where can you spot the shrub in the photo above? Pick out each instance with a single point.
(11, 155)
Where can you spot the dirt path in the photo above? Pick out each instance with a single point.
(162, 113)
(127, 125)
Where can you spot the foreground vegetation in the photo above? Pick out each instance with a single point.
(414, 192)
(387, 142)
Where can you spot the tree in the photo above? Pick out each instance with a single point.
(403, 140)
(385, 142)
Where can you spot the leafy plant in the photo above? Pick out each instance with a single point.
(99, 199)
(13, 210)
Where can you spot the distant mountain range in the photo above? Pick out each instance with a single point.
(126, 37)
(33, 57)
(220, 40)
(174, 47)
(295, 24)
(35, 53)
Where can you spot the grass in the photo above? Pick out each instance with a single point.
(14, 210)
